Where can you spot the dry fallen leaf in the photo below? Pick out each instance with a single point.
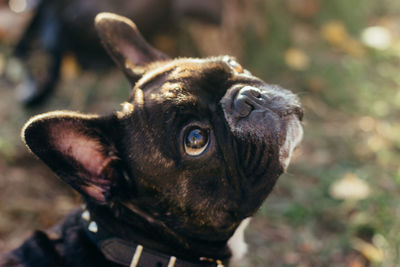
(377, 37)
(350, 187)
(335, 33)
(297, 59)
(368, 250)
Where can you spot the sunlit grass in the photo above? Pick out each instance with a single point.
(351, 101)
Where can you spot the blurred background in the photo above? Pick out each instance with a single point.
(338, 205)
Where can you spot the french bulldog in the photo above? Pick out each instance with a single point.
(168, 179)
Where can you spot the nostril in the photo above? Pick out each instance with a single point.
(251, 91)
(256, 93)
(247, 99)
(243, 106)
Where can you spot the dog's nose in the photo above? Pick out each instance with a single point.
(246, 100)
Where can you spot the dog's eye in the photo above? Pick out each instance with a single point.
(196, 141)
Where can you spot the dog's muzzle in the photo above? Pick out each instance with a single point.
(266, 121)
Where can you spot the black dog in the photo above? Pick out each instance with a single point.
(60, 26)
(168, 179)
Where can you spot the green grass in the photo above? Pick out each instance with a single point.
(336, 143)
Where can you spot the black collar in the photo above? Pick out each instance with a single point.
(133, 254)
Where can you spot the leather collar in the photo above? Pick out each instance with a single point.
(134, 254)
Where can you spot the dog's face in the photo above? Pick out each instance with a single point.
(199, 145)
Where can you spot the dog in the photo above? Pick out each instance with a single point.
(169, 178)
(62, 26)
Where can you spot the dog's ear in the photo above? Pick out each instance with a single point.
(126, 45)
(78, 148)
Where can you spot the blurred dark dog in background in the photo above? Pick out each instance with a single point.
(66, 25)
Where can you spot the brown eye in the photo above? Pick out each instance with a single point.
(196, 141)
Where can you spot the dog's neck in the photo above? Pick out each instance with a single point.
(121, 222)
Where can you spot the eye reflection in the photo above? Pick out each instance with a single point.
(196, 141)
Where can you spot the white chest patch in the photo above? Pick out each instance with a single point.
(236, 243)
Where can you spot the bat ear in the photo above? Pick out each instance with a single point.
(125, 44)
(78, 148)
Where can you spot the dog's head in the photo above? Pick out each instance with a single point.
(198, 146)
